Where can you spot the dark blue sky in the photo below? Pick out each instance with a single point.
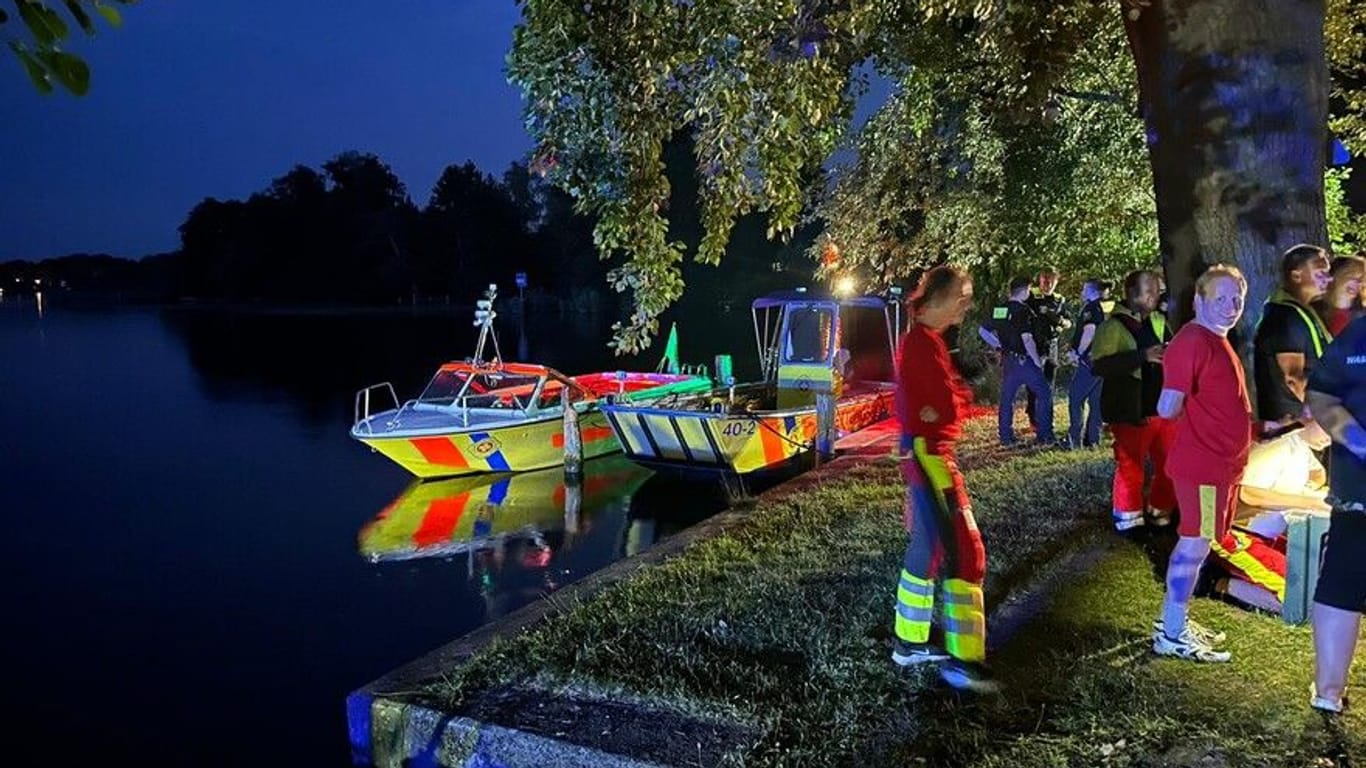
(192, 99)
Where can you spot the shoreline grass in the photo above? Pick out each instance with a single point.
(1083, 688)
(783, 622)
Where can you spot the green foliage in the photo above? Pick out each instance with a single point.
(940, 177)
(45, 31)
(766, 90)
(958, 165)
(1346, 229)
(1344, 32)
(763, 87)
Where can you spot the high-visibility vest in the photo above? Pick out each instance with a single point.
(1159, 322)
(1317, 333)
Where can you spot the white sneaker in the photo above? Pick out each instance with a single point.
(1210, 637)
(1188, 646)
(1332, 706)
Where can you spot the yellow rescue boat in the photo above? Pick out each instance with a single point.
(810, 348)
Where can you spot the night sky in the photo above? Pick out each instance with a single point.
(192, 99)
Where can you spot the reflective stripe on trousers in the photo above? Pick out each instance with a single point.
(943, 537)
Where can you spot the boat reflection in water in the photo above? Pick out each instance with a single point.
(529, 533)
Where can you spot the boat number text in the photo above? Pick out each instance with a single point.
(738, 428)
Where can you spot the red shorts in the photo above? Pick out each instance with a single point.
(1206, 510)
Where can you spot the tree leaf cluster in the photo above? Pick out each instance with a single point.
(940, 176)
(38, 31)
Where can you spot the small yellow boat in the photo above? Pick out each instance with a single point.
(478, 416)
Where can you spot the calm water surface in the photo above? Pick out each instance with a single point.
(199, 564)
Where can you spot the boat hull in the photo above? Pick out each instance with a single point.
(518, 447)
(734, 443)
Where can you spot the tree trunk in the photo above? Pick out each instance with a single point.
(1234, 96)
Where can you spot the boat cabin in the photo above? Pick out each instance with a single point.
(811, 344)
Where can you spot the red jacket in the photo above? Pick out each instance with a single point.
(931, 397)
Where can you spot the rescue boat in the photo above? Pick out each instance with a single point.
(809, 346)
(477, 415)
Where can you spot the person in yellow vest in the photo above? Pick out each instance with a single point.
(1289, 341)
(1127, 356)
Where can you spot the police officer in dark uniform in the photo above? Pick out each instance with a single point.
(1083, 396)
(1051, 319)
(1012, 329)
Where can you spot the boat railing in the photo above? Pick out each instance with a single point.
(361, 411)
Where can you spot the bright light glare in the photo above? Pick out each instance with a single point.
(845, 286)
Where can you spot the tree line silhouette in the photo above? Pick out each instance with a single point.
(349, 233)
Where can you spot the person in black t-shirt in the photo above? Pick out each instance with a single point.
(1289, 341)
(1051, 320)
(1012, 329)
(1084, 392)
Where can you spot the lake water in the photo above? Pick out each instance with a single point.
(199, 562)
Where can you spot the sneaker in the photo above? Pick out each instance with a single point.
(1331, 706)
(1188, 647)
(1210, 637)
(1160, 519)
(968, 676)
(910, 654)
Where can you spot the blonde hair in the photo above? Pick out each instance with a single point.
(1214, 273)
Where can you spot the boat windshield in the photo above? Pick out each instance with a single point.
(483, 389)
(809, 334)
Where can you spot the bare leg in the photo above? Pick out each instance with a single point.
(1335, 639)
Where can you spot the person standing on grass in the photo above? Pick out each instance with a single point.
(1083, 395)
(1012, 330)
(1051, 320)
(1127, 356)
(1337, 400)
(945, 549)
(1204, 391)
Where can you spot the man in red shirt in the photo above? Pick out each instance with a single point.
(1204, 390)
(945, 548)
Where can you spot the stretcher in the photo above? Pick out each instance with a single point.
(1282, 517)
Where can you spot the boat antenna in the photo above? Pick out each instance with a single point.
(483, 320)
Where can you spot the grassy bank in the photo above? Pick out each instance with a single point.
(784, 621)
(1083, 690)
